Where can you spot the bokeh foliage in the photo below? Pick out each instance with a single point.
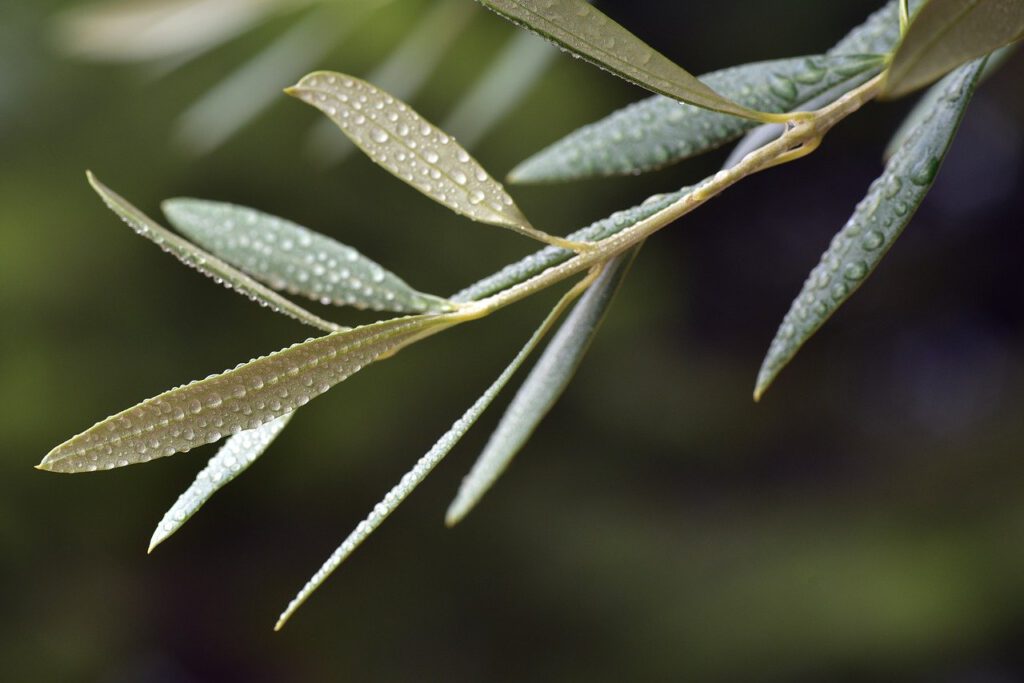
(864, 521)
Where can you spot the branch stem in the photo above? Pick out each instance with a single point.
(803, 135)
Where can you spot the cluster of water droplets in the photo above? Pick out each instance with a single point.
(401, 141)
(233, 458)
(659, 131)
(207, 264)
(877, 221)
(231, 402)
(293, 258)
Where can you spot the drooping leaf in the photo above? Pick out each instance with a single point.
(427, 462)
(542, 387)
(234, 457)
(946, 33)
(288, 256)
(545, 258)
(405, 144)
(205, 263)
(243, 398)
(586, 32)
(874, 226)
(659, 131)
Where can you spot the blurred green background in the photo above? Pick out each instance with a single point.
(864, 522)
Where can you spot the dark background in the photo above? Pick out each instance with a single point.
(864, 522)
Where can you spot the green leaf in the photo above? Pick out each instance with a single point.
(879, 33)
(931, 97)
(541, 260)
(874, 226)
(542, 388)
(244, 398)
(659, 131)
(402, 142)
(427, 462)
(586, 32)
(234, 457)
(205, 263)
(946, 33)
(288, 256)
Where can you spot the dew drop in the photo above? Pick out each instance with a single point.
(892, 187)
(873, 240)
(924, 172)
(855, 271)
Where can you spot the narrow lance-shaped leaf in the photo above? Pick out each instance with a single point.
(946, 33)
(205, 263)
(659, 131)
(427, 462)
(542, 388)
(405, 144)
(585, 31)
(244, 398)
(873, 228)
(234, 457)
(288, 256)
(931, 97)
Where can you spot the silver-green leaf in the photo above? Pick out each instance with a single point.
(205, 263)
(947, 33)
(244, 398)
(234, 457)
(412, 149)
(288, 256)
(874, 226)
(542, 387)
(659, 131)
(427, 462)
(922, 109)
(586, 32)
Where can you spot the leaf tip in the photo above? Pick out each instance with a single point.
(765, 378)
(156, 540)
(457, 510)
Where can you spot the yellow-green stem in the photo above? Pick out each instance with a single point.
(802, 137)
